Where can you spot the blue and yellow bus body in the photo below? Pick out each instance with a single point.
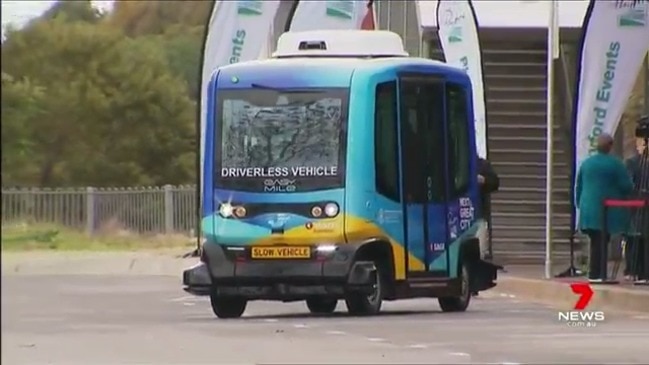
(394, 208)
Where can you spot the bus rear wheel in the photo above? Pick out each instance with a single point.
(461, 302)
(321, 305)
(361, 304)
(227, 307)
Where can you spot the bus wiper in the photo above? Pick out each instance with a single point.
(285, 90)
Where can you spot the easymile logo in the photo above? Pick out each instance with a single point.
(580, 317)
(279, 185)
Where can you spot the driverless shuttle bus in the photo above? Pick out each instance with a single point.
(339, 169)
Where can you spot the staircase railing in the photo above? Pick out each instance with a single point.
(567, 93)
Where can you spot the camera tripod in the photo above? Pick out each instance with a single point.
(641, 221)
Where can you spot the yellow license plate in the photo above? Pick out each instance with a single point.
(285, 252)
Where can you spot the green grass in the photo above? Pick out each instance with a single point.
(39, 237)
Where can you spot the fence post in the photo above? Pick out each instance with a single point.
(90, 210)
(169, 209)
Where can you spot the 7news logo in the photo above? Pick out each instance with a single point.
(580, 316)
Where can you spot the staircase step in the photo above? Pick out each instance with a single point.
(523, 67)
(538, 195)
(533, 181)
(514, 92)
(522, 155)
(517, 55)
(537, 204)
(560, 170)
(529, 233)
(527, 219)
(522, 206)
(499, 124)
(515, 105)
(531, 166)
(505, 80)
(530, 258)
(511, 120)
(539, 215)
(514, 139)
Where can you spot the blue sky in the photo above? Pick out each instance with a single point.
(20, 12)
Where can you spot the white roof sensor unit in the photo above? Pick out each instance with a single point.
(340, 43)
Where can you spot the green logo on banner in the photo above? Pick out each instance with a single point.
(455, 35)
(250, 7)
(634, 17)
(343, 9)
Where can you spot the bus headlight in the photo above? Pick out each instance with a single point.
(226, 210)
(331, 209)
(326, 248)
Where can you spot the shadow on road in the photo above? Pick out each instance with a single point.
(342, 314)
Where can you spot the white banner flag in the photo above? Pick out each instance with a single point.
(458, 34)
(328, 14)
(614, 44)
(237, 31)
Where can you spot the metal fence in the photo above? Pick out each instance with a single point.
(167, 209)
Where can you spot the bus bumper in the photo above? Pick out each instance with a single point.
(330, 274)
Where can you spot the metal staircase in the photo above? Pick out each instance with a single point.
(515, 83)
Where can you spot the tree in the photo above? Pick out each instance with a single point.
(21, 104)
(182, 47)
(178, 26)
(113, 113)
(138, 18)
(73, 11)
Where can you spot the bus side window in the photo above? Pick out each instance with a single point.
(458, 137)
(386, 148)
(433, 143)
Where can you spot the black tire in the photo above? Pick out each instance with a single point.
(321, 305)
(459, 303)
(228, 307)
(359, 304)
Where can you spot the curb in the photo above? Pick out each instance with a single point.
(130, 263)
(558, 294)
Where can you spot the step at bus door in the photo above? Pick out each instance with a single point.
(421, 121)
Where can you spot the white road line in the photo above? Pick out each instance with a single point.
(459, 354)
(271, 320)
(418, 346)
(375, 339)
(182, 299)
(335, 332)
(583, 335)
(188, 304)
(300, 325)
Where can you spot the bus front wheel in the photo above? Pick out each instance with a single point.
(461, 302)
(361, 304)
(227, 307)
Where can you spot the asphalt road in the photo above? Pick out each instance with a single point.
(149, 320)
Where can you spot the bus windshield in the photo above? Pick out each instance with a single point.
(276, 140)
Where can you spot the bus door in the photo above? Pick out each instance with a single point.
(421, 120)
(461, 168)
